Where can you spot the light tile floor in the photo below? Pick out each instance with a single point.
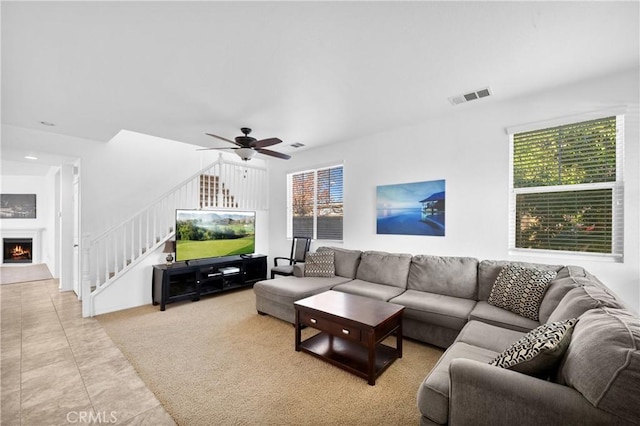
(58, 368)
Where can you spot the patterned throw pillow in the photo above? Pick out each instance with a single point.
(319, 264)
(520, 290)
(538, 352)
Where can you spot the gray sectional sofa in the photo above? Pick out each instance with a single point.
(446, 299)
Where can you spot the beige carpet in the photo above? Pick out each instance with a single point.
(217, 361)
(23, 273)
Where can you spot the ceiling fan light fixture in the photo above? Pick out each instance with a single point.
(247, 146)
(245, 153)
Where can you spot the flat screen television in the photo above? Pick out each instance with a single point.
(204, 234)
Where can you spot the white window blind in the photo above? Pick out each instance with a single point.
(315, 203)
(566, 188)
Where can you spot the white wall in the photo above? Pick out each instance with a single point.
(469, 149)
(45, 211)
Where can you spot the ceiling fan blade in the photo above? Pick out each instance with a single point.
(266, 142)
(209, 149)
(273, 153)
(224, 139)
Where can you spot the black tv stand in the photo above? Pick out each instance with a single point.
(188, 280)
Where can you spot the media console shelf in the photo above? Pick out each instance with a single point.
(190, 280)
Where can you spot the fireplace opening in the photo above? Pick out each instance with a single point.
(17, 250)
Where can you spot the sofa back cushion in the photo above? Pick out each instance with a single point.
(579, 300)
(571, 271)
(568, 278)
(488, 271)
(603, 361)
(346, 261)
(384, 268)
(448, 276)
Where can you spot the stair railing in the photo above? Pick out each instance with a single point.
(223, 184)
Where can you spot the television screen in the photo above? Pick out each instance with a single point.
(214, 233)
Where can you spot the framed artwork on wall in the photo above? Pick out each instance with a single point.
(415, 208)
(17, 206)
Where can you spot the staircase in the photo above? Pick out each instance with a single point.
(211, 188)
(110, 255)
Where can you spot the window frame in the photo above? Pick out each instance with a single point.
(616, 187)
(315, 171)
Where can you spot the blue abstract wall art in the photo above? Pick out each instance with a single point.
(415, 208)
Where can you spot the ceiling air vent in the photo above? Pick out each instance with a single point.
(297, 145)
(460, 99)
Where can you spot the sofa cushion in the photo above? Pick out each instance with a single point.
(289, 289)
(449, 276)
(368, 289)
(573, 271)
(539, 351)
(319, 264)
(435, 335)
(346, 261)
(433, 393)
(488, 271)
(580, 300)
(603, 361)
(488, 336)
(384, 268)
(437, 309)
(568, 278)
(554, 294)
(490, 314)
(298, 270)
(520, 289)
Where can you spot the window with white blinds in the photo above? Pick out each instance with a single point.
(567, 188)
(315, 203)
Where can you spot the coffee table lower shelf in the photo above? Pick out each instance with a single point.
(348, 355)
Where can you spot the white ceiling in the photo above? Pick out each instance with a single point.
(309, 72)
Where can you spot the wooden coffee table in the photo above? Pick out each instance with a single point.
(352, 329)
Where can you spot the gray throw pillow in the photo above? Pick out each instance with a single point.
(520, 290)
(538, 352)
(319, 264)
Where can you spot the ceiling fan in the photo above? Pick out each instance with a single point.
(247, 146)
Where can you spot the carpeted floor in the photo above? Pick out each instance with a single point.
(217, 361)
(23, 273)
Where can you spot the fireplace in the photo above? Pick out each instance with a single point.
(17, 250)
